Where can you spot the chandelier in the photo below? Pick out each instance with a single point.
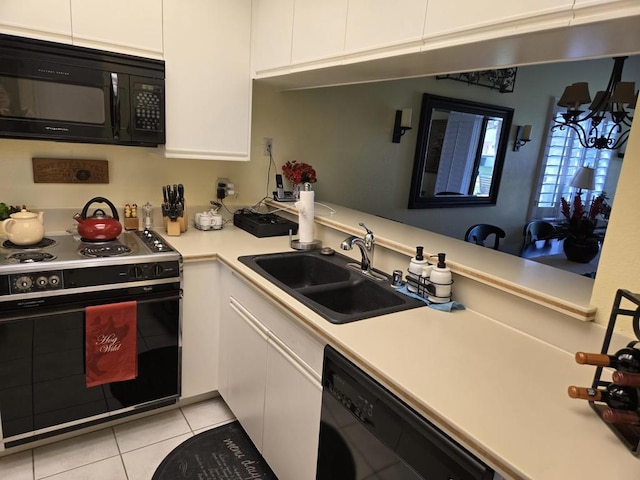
(606, 125)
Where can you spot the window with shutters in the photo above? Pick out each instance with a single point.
(563, 155)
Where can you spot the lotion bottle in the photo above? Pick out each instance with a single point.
(441, 279)
(416, 268)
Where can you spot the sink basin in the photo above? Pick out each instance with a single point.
(329, 286)
(297, 271)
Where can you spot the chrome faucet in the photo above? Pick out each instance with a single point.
(366, 250)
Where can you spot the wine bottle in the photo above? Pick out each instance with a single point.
(625, 360)
(612, 415)
(626, 379)
(622, 398)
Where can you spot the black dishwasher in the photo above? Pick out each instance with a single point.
(367, 432)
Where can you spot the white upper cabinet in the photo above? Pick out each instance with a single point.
(119, 25)
(208, 85)
(50, 20)
(587, 11)
(272, 33)
(445, 17)
(318, 30)
(388, 24)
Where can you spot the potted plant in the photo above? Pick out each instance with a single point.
(298, 174)
(581, 243)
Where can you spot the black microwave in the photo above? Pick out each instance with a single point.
(54, 91)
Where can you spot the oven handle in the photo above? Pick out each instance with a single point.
(46, 312)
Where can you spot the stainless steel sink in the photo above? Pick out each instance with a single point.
(327, 285)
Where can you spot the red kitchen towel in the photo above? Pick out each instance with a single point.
(110, 343)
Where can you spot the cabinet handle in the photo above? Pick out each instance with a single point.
(296, 362)
(250, 319)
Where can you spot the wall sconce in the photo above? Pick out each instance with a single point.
(402, 124)
(523, 135)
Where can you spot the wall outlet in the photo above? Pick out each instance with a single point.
(267, 146)
(222, 188)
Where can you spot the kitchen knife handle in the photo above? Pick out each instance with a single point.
(181, 193)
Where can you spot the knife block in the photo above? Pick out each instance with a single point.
(175, 227)
(172, 227)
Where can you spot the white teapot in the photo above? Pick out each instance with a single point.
(24, 228)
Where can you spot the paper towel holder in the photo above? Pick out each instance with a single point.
(296, 244)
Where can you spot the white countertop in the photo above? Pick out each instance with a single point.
(500, 392)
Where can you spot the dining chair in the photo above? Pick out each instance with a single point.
(536, 231)
(479, 233)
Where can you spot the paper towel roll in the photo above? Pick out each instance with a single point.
(306, 212)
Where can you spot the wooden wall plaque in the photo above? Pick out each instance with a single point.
(60, 170)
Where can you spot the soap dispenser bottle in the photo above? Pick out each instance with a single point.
(441, 279)
(416, 268)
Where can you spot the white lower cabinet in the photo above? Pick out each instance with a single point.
(247, 371)
(270, 377)
(291, 415)
(200, 318)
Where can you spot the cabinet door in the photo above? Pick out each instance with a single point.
(272, 32)
(208, 85)
(318, 30)
(292, 415)
(119, 25)
(588, 11)
(50, 20)
(200, 319)
(388, 24)
(441, 20)
(247, 359)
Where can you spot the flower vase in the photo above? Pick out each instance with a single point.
(580, 250)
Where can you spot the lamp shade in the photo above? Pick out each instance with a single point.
(575, 95)
(624, 92)
(584, 179)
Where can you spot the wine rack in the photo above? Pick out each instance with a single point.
(628, 434)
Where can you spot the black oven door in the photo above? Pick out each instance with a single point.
(42, 365)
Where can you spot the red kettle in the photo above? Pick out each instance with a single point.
(99, 227)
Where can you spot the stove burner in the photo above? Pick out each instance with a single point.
(44, 243)
(30, 257)
(113, 249)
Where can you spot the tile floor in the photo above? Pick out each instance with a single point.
(129, 451)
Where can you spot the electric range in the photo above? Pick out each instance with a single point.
(46, 293)
(67, 262)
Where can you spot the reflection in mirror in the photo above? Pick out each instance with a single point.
(459, 153)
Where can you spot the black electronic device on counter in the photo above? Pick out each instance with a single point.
(264, 224)
(280, 195)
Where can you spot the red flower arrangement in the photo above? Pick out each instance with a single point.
(580, 222)
(299, 172)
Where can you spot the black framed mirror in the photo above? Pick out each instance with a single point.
(459, 153)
